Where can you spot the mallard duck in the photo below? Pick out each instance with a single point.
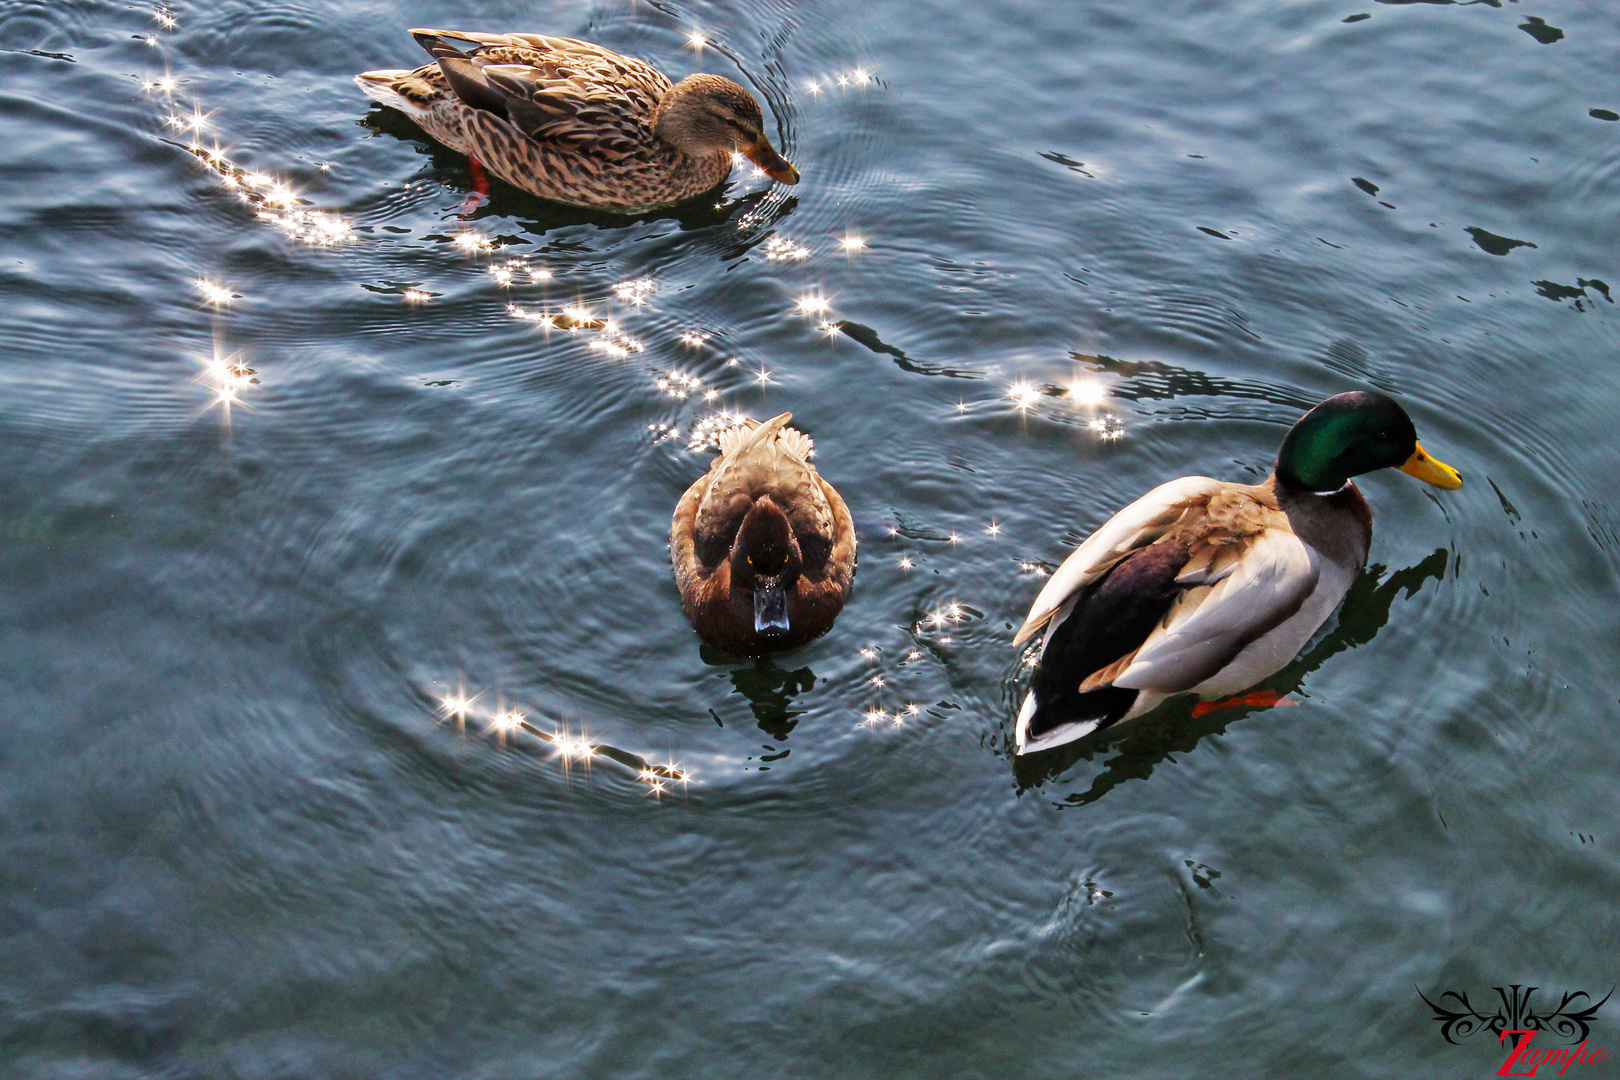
(763, 547)
(1208, 587)
(574, 122)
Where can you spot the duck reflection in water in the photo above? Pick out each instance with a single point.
(1178, 727)
(763, 548)
(770, 690)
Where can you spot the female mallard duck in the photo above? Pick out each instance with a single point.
(763, 547)
(574, 122)
(1207, 586)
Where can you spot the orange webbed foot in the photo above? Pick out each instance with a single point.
(480, 191)
(1264, 699)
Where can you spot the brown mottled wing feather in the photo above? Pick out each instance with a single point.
(689, 569)
(557, 90)
(840, 562)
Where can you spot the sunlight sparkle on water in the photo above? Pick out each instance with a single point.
(545, 318)
(679, 384)
(217, 295)
(1023, 395)
(505, 723)
(228, 377)
(813, 304)
(416, 296)
(1087, 392)
(1108, 428)
(906, 562)
(936, 619)
(636, 292)
(781, 249)
(697, 40)
(853, 243)
(517, 272)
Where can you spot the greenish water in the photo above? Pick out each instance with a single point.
(238, 837)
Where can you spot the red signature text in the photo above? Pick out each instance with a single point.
(1535, 1059)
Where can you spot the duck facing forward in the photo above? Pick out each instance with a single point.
(1208, 587)
(574, 122)
(763, 547)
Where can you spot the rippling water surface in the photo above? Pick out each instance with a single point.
(255, 531)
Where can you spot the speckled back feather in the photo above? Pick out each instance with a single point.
(762, 459)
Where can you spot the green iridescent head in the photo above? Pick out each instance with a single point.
(1354, 433)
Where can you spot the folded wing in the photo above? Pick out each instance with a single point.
(1271, 576)
(1137, 525)
(555, 90)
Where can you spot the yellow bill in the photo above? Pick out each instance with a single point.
(1432, 470)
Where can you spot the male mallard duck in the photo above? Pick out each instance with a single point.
(1208, 587)
(574, 122)
(763, 547)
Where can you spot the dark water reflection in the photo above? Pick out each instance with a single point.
(770, 690)
(1043, 258)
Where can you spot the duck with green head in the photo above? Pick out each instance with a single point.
(1207, 586)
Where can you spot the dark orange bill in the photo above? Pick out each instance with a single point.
(779, 168)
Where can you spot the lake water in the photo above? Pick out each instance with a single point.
(239, 836)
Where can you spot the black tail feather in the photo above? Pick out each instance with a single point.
(1110, 619)
(1107, 706)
